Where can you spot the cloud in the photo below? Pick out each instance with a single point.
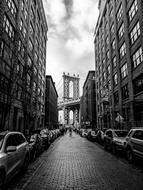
(68, 6)
(70, 37)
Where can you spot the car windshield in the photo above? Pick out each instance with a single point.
(1, 140)
(121, 133)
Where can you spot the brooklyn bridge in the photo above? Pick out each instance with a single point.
(70, 101)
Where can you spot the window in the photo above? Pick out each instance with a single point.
(34, 86)
(135, 33)
(29, 62)
(12, 7)
(115, 79)
(22, 5)
(137, 57)
(37, 43)
(125, 92)
(21, 25)
(113, 45)
(116, 97)
(24, 9)
(138, 84)
(112, 30)
(32, 15)
(21, 48)
(11, 141)
(28, 79)
(116, 1)
(1, 48)
(31, 29)
(109, 85)
(119, 13)
(103, 50)
(30, 45)
(8, 27)
(108, 70)
(114, 61)
(133, 10)
(107, 55)
(19, 69)
(24, 32)
(107, 41)
(104, 77)
(124, 71)
(19, 139)
(111, 14)
(121, 31)
(22, 28)
(106, 26)
(122, 50)
(138, 135)
(110, 4)
(25, 13)
(35, 71)
(102, 37)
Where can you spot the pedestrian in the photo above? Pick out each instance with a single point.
(70, 131)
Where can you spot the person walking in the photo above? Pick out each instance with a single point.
(70, 131)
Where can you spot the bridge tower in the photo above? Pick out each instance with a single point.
(67, 79)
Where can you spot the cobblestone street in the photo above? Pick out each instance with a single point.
(75, 163)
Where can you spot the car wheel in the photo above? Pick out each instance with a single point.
(105, 146)
(129, 155)
(1, 179)
(114, 149)
(26, 163)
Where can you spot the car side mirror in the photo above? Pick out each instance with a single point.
(11, 149)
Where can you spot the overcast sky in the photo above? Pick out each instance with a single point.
(70, 46)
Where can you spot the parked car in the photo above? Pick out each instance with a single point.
(14, 154)
(91, 136)
(119, 141)
(45, 137)
(54, 135)
(81, 131)
(100, 136)
(36, 146)
(113, 139)
(134, 144)
(84, 133)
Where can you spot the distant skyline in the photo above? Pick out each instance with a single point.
(70, 46)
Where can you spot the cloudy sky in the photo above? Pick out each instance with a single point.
(70, 47)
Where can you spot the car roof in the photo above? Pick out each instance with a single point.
(135, 129)
(10, 132)
(116, 130)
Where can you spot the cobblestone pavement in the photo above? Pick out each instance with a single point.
(74, 163)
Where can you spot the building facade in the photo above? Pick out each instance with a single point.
(51, 102)
(23, 37)
(119, 63)
(88, 102)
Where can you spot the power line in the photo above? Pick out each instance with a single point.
(58, 83)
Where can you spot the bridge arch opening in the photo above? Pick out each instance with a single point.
(71, 89)
(71, 117)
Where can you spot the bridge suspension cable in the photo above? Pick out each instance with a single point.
(59, 83)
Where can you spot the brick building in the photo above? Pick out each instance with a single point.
(23, 36)
(51, 98)
(88, 102)
(119, 62)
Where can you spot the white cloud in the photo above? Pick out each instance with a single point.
(70, 45)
